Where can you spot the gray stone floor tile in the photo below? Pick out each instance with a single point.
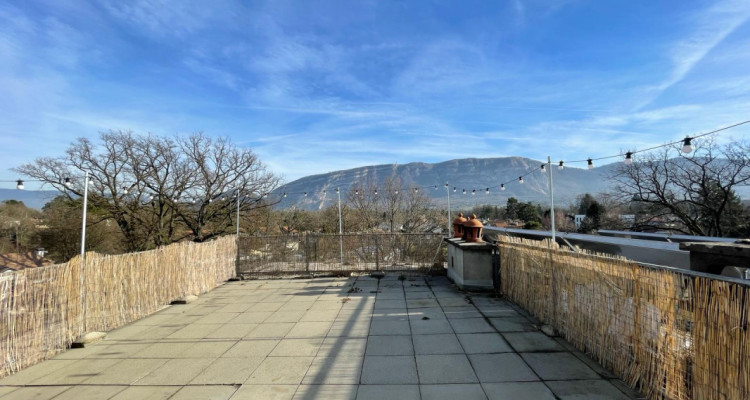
(147, 392)
(227, 371)
(306, 347)
(379, 327)
(165, 349)
(386, 392)
(126, 371)
(265, 392)
(483, 343)
(208, 349)
(390, 370)
(452, 301)
(389, 346)
(320, 316)
(518, 391)
(310, 330)
(90, 392)
(524, 342)
(445, 368)
(430, 326)
(389, 304)
(75, 373)
(231, 331)
(344, 370)
(204, 393)
(250, 348)
(471, 325)
(35, 372)
(271, 330)
(586, 390)
(421, 303)
(513, 324)
(432, 313)
(461, 312)
(252, 317)
(437, 344)
(452, 392)
(504, 367)
(558, 366)
(343, 346)
(175, 372)
(36, 393)
(280, 371)
(327, 392)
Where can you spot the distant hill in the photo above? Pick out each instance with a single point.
(31, 198)
(469, 173)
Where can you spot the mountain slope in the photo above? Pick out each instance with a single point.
(469, 174)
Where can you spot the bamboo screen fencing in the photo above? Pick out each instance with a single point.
(42, 310)
(671, 335)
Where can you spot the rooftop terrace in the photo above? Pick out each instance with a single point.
(325, 338)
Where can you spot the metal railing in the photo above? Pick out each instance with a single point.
(304, 253)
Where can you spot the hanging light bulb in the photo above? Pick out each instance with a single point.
(628, 158)
(305, 194)
(435, 187)
(591, 163)
(124, 190)
(560, 166)
(502, 186)
(396, 191)
(19, 184)
(454, 189)
(195, 201)
(487, 191)
(356, 192)
(473, 192)
(463, 191)
(210, 200)
(285, 195)
(520, 179)
(687, 146)
(150, 197)
(543, 169)
(66, 182)
(376, 192)
(416, 190)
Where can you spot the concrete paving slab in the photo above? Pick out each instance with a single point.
(35, 392)
(389, 370)
(327, 392)
(437, 344)
(204, 393)
(276, 330)
(461, 312)
(513, 324)
(310, 329)
(35, 372)
(265, 392)
(471, 325)
(208, 349)
(524, 342)
(430, 326)
(307, 347)
(231, 331)
(164, 349)
(334, 370)
(381, 392)
(125, 371)
(452, 301)
(280, 371)
(175, 372)
(452, 392)
(227, 371)
(75, 373)
(266, 306)
(389, 346)
(90, 392)
(320, 316)
(483, 343)
(147, 392)
(218, 318)
(252, 317)
(586, 390)
(385, 327)
(343, 346)
(445, 368)
(504, 367)
(251, 348)
(558, 366)
(518, 391)
(354, 329)
(421, 303)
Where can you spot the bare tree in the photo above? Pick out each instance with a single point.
(159, 190)
(690, 193)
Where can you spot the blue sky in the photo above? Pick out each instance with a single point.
(316, 86)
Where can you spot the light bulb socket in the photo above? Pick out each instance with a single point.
(520, 179)
(687, 145)
(561, 165)
(19, 184)
(590, 163)
(502, 186)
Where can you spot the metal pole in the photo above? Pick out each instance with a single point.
(551, 200)
(237, 261)
(85, 205)
(341, 232)
(448, 189)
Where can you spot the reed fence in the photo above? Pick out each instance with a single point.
(42, 310)
(671, 334)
